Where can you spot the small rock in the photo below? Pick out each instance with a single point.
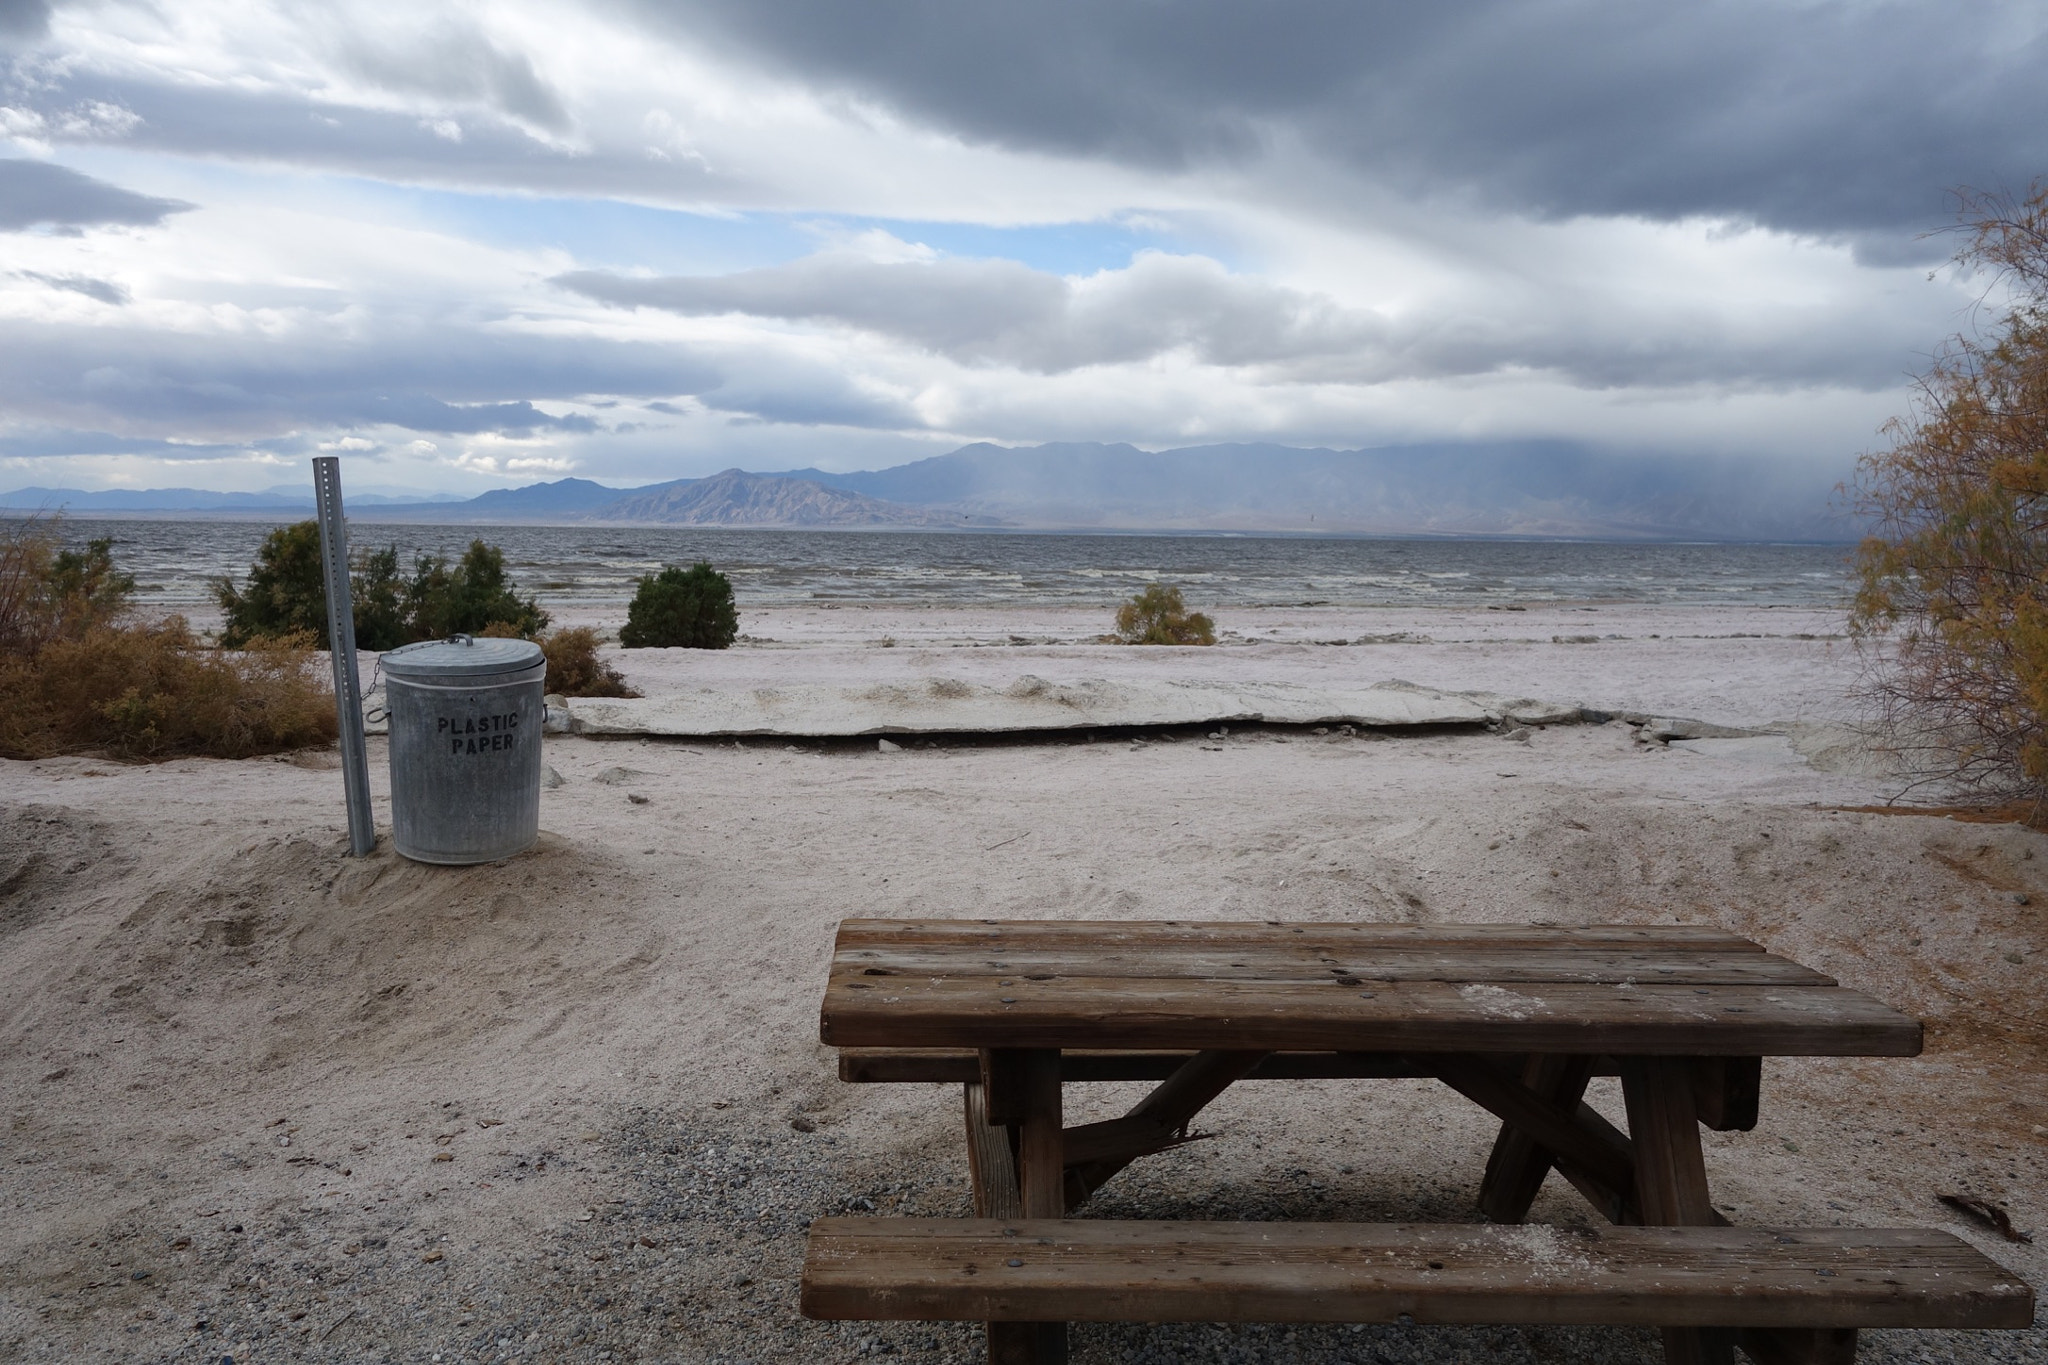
(2014, 958)
(888, 746)
(431, 1257)
(636, 798)
(2021, 898)
(619, 777)
(444, 1156)
(803, 1125)
(550, 778)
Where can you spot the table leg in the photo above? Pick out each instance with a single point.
(1671, 1179)
(991, 1160)
(1034, 1077)
(1515, 1171)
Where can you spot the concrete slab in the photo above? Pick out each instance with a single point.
(950, 706)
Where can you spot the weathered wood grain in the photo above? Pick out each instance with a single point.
(1518, 1163)
(1312, 963)
(1084, 1270)
(991, 1161)
(1410, 1016)
(1111, 934)
(956, 1066)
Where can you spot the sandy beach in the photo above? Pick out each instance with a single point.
(267, 1102)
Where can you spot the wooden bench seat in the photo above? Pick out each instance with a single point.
(909, 1065)
(1080, 1270)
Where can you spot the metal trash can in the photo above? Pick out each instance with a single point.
(465, 748)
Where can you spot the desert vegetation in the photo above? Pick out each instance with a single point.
(1159, 616)
(1954, 578)
(574, 669)
(682, 608)
(285, 594)
(77, 674)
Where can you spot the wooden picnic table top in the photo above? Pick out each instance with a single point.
(1616, 990)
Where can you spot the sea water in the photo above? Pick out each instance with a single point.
(597, 566)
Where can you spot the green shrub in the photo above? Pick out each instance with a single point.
(287, 594)
(468, 597)
(1158, 616)
(682, 608)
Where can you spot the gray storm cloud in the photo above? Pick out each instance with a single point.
(24, 18)
(1005, 314)
(106, 291)
(1841, 118)
(238, 387)
(40, 194)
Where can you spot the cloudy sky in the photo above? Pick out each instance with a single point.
(478, 244)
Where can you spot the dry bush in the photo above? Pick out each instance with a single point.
(48, 593)
(74, 677)
(574, 670)
(1158, 616)
(1954, 579)
(27, 545)
(152, 692)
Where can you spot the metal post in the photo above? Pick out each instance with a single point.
(341, 637)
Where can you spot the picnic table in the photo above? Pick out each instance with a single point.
(1516, 1018)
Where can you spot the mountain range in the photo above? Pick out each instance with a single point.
(1526, 488)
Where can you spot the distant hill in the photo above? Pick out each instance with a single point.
(1523, 488)
(186, 500)
(562, 500)
(1502, 488)
(737, 498)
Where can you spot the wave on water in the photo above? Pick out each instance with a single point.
(176, 563)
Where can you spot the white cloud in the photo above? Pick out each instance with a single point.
(1331, 300)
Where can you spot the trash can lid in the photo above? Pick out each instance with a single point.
(462, 656)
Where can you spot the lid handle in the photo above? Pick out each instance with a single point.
(461, 638)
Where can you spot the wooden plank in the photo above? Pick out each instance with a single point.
(1671, 1180)
(1098, 1151)
(1109, 934)
(1314, 962)
(1041, 1157)
(991, 1161)
(1798, 1346)
(1114, 1270)
(956, 1066)
(1728, 1092)
(1412, 1016)
(1518, 1163)
(1041, 1180)
(1002, 1085)
(1585, 1147)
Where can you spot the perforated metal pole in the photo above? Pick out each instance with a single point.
(341, 637)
